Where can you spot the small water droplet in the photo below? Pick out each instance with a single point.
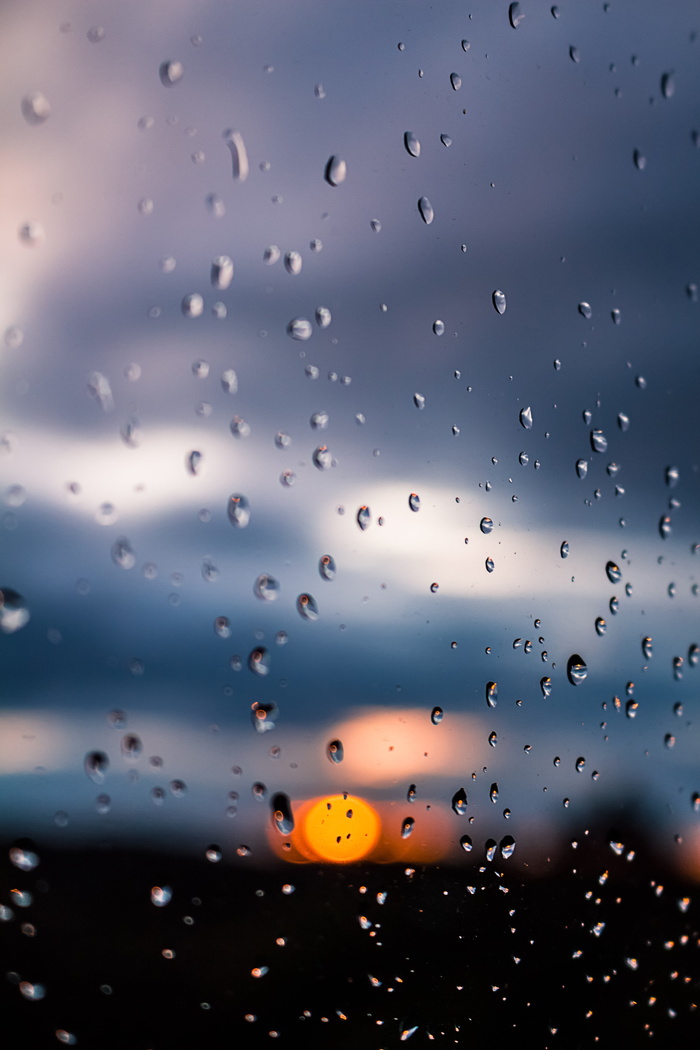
(693, 655)
(414, 501)
(631, 708)
(171, 73)
(300, 328)
(489, 563)
(411, 793)
(283, 821)
(668, 85)
(335, 751)
(491, 694)
(446, 140)
(515, 15)
(260, 661)
(493, 793)
(307, 607)
(412, 144)
(640, 161)
(600, 626)
(678, 668)
(573, 54)
(221, 272)
(419, 401)
(466, 843)
(498, 299)
(335, 171)
(36, 108)
(490, 846)
(161, 895)
(239, 155)
(425, 209)
(459, 802)
(585, 310)
(192, 305)
(564, 549)
(96, 765)
(665, 527)
(437, 715)
(363, 517)
(407, 827)
(647, 648)
(576, 669)
(493, 738)
(546, 687)
(293, 263)
(580, 764)
(613, 572)
(599, 442)
(526, 418)
(455, 81)
(507, 847)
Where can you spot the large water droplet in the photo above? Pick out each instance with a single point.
(576, 669)
(192, 305)
(437, 715)
(489, 563)
(459, 802)
(546, 687)
(466, 843)
(221, 272)
(307, 607)
(363, 518)
(439, 327)
(456, 81)
(526, 418)
(282, 816)
(36, 108)
(498, 298)
(238, 511)
(668, 85)
(300, 328)
(171, 72)
(613, 572)
(486, 525)
(96, 765)
(491, 694)
(412, 144)
(426, 210)
(493, 793)
(14, 613)
(264, 718)
(585, 310)
(335, 751)
(515, 15)
(507, 847)
(407, 827)
(414, 501)
(599, 442)
(293, 263)
(239, 156)
(600, 626)
(336, 171)
(260, 661)
(322, 457)
(326, 567)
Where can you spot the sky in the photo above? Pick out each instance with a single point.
(565, 179)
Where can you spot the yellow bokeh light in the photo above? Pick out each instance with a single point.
(339, 828)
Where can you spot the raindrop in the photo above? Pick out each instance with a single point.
(213, 854)
(585, 310)
(36, 108)
(546, 687)
(693, 655)
(672, 474)
(669, 740)
(222, 626)
(293, 263)
(623, 421)
(426, 210)
(307, 607)
(170, 73)
(493, 793)
(466, 843)
(282, 816)
(300, 328)
(99, 387)
(491, 694)
(271, 255)
(239, 428)
(573, 54)
(580, 764)
(322, 458)
(499, 301)
(407, 827)
(576, 669)
(194, 462)
(564, 549)
(412, 144)
(613, 572)
(239, 156)
(515, 15)
(323, 316)
(31, 233)
(14, 613)
(456, 81)
(123, 554)
(363, 518)
(161, 895)
(600, 626)
(489, 565)
(437, 715)
(23, 859)
(238, 511)
(319, 421)
(640, 161)
(599, 442)
(131, 747)
(647, 648)
(326, 567)
(631, 708)
(282, 440)
(616, 316)
(419, 401)
(411, 793)
(668, 85)
(678, 668)
(221, 274)
(96, 765)
(32, 991)
(259, 661)
(665, 527)
(335, 171)
(582, 467)
(493, 738)
(335, 751)
(439, 327)
(192, 305)
(459, 802)
(526, 418)
(414, 501)
(446, 140)
(491, 846)
(507, 847)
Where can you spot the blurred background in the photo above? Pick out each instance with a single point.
(349, 527)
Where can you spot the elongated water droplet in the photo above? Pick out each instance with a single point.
(363, 518)
(599, 442)
(456, 81)
(419, 401)
(446, 140)
(672, 474)
(576, 669)
(36, 108)
(459, 802)
(613, 572)
(282, 816)
(307, 607)
(526, 418)
(507, 847)
(693, 655)
(407, 827)
(640, 161)
(439, 327)
(412, 144)
(336, 171)
(647, 648)
(300, 328)
(131, 747)
(490, 565)
(437, 715)
(491, 694)
(546, 687)
(564, 549)
(414, 501)
(238, 511)
(221, 272)
(239, 155)
(271, 255)
(123, 553)
(582, 467)
(486, 525)
(515, 15)
(260, 661)
(335, 751)
(493, 792)
(426, 210)
(326, 567)
(14, 613)
(585, 310)
(678, 667)
(493, 738)
(323, 316)
(96, 765)
(631, 708)
(668, 85)
(490, 846)
(665, 527)
(293, 263)
(411, 793)
(498, 298)
(573, 54)
(600, 626)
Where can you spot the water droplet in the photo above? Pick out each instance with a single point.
(414, 501)
(239, 156)
(307, 607)
(192, 305)
(456, 81)
(161, 895)
(271, 255)
(335, 751)
(640, 160)
(507, 847)
(323, 316)
(221, 272)
(293, 263)
(459, 802)
(600, 626)
(678, 668)
(695, 801)
(300, 328)
(263, 716)
(96, 765)
(437, 715)
(490, 846)
(668, 85)
(123, 553)
(363, 518)
(36, 108)
(585, 310)
(564, 549)
(335, 171)
(493, 793)
(326, 567)
(613, 572)
(131, 747)
(32, 991)
(259, 661)
(446, 140)
(319, 421)
(526, 418)
(493, 738)
(170, 73)
(466, 843)
(580, 764)
(238, 511)
(439, 327)
(426, 210)
(411, 143)
(573, 54)
(283, 820)
(489, 565)
(14, 613)
(491, 694)
(616, 316)
(322, 457)
(498, 299)
(407, 827)
(599, 442)
(647, 648)
(282, 440)
(665, 527)
(515, 15)
(546, 687)
(419, 401)
(576, 669)
(693, 655)
(23, 859)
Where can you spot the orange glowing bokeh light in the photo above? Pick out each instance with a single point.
(340, 828)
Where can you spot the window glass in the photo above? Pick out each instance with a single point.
(349, 522)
